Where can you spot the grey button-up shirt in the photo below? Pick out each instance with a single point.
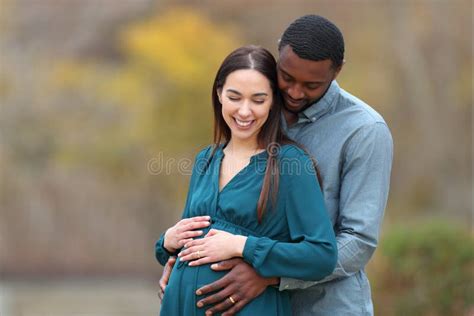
(353, 148)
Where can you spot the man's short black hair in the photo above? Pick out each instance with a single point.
(315, 38)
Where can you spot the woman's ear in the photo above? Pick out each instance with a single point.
(219, 95)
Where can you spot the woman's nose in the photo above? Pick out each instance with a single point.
(244, 110)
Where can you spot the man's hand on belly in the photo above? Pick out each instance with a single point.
(166, 276)
(238, 287)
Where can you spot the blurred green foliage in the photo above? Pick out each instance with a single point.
(429, 269)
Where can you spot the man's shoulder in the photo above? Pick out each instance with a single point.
(356, 111)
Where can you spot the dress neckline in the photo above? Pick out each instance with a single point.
(220, 156)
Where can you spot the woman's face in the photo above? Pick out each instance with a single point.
(246, 99)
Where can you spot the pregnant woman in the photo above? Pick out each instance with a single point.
(253, 194)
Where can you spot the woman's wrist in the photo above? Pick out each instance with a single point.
(166, 245)
(239, 243)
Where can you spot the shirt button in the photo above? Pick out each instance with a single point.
(287, 286)
(313, 119)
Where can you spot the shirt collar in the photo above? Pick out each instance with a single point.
(322, 106)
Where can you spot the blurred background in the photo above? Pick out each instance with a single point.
(105, 103)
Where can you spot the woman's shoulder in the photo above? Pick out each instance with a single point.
(205, 153)
(205, 156)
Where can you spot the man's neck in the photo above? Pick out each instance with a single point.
(290, 117)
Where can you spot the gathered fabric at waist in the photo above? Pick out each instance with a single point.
(221, 224)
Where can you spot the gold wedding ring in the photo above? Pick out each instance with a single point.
(198, 254)
(231, 299)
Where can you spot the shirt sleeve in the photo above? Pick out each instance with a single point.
(161, 253)
(365, 181)
(312, 253)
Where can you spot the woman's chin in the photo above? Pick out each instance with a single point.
(245, 135)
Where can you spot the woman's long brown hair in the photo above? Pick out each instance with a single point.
(271, 135)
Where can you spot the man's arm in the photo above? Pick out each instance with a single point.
(364, 190)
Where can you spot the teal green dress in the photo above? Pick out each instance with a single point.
(295, 238)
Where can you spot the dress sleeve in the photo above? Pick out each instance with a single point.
(312, 252)
(161, 254)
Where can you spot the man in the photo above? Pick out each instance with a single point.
(353, 147)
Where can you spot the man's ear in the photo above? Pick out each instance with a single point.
(338, 69)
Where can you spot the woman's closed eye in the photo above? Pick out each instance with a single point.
(232, 98)
(259, 101)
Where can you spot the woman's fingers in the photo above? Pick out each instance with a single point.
(195, 219)
(196, 257)
(190, 234)
(191, 254)
(201, 261)
(213, 232)
(194, 225)
(195, 242)
(191, 251)
(183, 242)
(194, 222)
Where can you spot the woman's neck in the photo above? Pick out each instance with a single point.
(242, 148)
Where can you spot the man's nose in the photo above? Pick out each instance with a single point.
(295, 92)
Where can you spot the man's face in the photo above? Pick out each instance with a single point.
(303, 81)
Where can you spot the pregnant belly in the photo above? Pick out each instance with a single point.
(185, 280)
(180, 294)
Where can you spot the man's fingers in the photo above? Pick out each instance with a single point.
(167, 272)
(170, 263)
(221, 307)
(164, 280)
(214, 298)
(160, 294)
(234, 309)
(168, 267)
(225, 265)
(162, 284)
(214, 286)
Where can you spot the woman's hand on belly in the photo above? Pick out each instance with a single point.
(184, 231)
(216, 246)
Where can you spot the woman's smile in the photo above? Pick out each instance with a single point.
(243, 124)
